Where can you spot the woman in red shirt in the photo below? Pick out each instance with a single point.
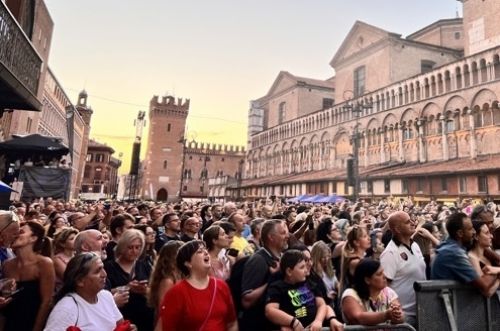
(199, 302)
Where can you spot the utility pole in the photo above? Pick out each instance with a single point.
(139, 124)
(182, 141)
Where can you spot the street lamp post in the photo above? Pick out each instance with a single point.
(183, 142)
(356, 108)
(204, 176)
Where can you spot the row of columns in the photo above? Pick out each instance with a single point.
(301, 159)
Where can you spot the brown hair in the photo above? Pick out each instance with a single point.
(61, 238)
(42, 245)
(164, 268)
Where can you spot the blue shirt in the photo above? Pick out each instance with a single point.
(246, 231)
(451, 262)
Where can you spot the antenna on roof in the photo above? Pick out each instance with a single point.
(456, 11)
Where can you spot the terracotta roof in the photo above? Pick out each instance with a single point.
(484, 163)
(487, 163)
(97, 145)
(442, 22)
(316, 82)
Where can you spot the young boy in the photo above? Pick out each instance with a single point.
(291, 302)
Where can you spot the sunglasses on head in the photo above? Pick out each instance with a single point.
(13, 218)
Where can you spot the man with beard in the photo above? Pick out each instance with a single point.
(257, 273)
(216, 211)
(172, 225)
(452, 262)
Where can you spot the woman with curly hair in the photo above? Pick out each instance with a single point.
(165, 273)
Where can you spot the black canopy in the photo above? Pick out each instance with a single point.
(34, 144)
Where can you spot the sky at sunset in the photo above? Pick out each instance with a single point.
(220, 54)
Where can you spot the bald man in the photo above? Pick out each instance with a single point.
(90, 241)
(403, 263)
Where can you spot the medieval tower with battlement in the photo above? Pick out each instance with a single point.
(162, 167)
(175, 167)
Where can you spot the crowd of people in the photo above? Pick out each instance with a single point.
(265, 265)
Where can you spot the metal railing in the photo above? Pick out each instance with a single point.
(17, 54)
(450, 306)
(385, 326)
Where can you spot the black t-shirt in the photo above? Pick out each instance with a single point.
(255, 274)
(110, 250)
(298, 300)
(162, 239)
(137, 309)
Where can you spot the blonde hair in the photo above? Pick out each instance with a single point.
(318, 252)
(126, 238)
(349, 254)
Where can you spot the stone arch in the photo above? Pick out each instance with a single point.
(389, 119)
(455, 102)
(430, 114)
(408, 115)
(373, 123)
(162, 195)
(483, 97)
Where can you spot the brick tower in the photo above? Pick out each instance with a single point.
(162, 167)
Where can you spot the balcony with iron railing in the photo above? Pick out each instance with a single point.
(20, 66)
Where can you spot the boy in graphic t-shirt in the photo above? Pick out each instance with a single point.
(291, 302)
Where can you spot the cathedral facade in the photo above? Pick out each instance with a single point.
(422, 112)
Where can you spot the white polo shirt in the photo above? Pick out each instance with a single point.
(404, 265)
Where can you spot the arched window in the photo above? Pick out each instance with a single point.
(165, 163)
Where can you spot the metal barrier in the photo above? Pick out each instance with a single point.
(395, 327)
(447, 305)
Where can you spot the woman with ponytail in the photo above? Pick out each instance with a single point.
(33, 271)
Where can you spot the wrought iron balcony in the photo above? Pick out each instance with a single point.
(20, 66)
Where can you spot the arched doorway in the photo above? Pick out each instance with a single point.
(161, 195)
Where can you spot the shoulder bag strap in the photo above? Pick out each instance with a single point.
(211, 304)
(77, 309)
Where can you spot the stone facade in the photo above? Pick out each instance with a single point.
(174, 167)
(54, 122)
(100, 177)
(419, 106)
